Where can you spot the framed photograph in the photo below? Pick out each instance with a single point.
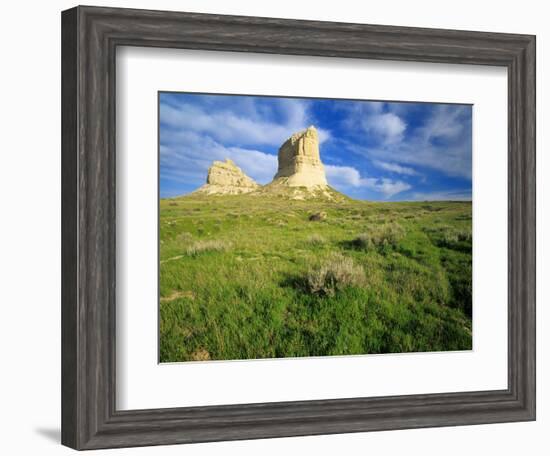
(280, 228)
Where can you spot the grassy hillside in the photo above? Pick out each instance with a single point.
(248, 276)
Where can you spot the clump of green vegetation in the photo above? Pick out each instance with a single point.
(200, 355)
(199, 247)
(335, 274)
(387, 235)
(184, 236)
(362, 241)
(451, 237)
(316, 239)
(464, 236)
(318, 216)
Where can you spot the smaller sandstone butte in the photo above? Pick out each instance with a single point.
(299, 161)
(226, 178)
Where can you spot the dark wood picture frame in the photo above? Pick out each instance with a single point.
(90, 36)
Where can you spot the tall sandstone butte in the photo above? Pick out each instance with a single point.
(226, 178)
(299, 161)
(300, 174)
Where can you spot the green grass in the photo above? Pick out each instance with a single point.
(244, 277)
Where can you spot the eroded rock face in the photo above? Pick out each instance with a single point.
(300, 174)
(226, 178)
(299, 161)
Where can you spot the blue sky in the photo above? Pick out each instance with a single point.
(381, 151)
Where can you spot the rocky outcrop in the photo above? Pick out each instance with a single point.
(226, 178)
(300, 174)
(299, 161)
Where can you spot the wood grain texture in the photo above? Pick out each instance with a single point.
(69, 233)
(89, 39)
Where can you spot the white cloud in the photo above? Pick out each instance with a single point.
(387, 125)
(187, 160)
(395, 168)
(347, 176)
(389, 187)
(444, 144)
(244, 124)
(295, 111)
(324, 135)
(222, 125)
(372, 119)
(343, 176)
(445, 123)
(258, 165)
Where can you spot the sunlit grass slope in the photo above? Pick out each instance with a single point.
(256, 276)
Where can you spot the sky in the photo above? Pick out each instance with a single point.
(372, 150)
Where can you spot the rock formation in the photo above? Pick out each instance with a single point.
(300, 175)
(226, 178)
(299, 161)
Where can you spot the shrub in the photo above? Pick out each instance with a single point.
(362, 241)
(199, 247)
(389, 234)
(455, 239)
(449, 238)
(200, 355)
(184, 236)
(386, 235)
(316, 239)
(463, 217)
(318, 217)
(336, 274)
(464, 236)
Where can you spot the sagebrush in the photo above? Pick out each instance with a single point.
(334, 274)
